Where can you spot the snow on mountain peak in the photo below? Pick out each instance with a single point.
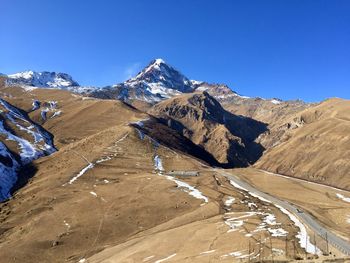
(155, 82)
(159, 61)
(24, 74)
(43, 79)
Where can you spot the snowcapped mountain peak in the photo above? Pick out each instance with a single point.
(159, 61)
(158, 71)
(155, 82)
(24, 74)
(159, 81)
(42, 79)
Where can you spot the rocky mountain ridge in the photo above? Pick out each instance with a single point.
(156, 82)
(201, 118)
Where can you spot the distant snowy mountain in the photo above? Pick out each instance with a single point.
(156, 82)
(43, 79)
(161, 77)
(159, 81)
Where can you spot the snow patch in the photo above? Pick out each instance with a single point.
(274, 101)
(277, 232)
(36, 105)
(165, 259)
(147, 258)
(158, 164)
(229, 201)
(83, 171)
(189, 189)
(56, 114)
(342, 197)
(270, 219)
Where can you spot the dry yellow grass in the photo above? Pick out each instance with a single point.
(317, 151)
(121, 202)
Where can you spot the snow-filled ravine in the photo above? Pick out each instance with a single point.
(8, 169)
(34, 143)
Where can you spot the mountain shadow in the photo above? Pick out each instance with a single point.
(228, 138)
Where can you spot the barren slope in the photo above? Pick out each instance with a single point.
(316, 146)
(200, 118)
(106, 188)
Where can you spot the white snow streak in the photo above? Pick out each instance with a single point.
(93, 193)
(89, 166)
(189, 189)
(164, 259)
(304, 239)
(342, 197)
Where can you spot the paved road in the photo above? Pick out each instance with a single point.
(308, 220)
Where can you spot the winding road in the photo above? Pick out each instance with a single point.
(308, 220)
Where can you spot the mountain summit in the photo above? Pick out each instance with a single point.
(159, 81)
(160, 77)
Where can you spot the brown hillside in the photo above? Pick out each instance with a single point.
(316, 147)
(200, 118)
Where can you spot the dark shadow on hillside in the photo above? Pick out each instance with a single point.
(170, 138)
(24, 175)
(174, 135)
(249, 130)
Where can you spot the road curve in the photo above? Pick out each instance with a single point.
(308, 220)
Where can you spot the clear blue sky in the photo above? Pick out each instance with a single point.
(286, 49)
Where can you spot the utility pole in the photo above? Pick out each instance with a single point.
(294, 248)
(286, 246)
(306, 246)
(249, 252)
(327, 244)
(315, 244)
(260, 250)
(271, 249)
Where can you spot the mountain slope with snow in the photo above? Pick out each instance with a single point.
(43, 79)
(160, 81)
(22, 141)
(156, 82)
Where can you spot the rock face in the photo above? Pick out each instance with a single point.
(200, 118)
(315, 145)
